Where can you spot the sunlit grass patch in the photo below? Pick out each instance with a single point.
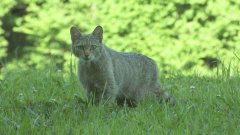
(49, 101)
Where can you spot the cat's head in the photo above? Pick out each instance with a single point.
(87, 47)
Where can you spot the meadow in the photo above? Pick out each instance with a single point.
(50, 101)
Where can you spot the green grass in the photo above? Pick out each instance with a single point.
(50, 102)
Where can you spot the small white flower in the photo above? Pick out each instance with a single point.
(20, 94)
(18, 126)
(34, 90)
(59, 71)
(192, 87)
(53, 100)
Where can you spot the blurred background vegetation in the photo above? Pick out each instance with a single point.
(181, 35)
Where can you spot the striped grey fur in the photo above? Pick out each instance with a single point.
(108, 74)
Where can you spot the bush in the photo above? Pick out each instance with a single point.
(178, 34)
(5, 6)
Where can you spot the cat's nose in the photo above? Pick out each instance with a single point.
(86, 57)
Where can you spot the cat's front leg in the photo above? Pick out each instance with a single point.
(110, 91)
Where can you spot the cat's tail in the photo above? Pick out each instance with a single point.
(165, 97)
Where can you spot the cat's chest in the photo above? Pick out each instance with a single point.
(92, 79)
(91, 73)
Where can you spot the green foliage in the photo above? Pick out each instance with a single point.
(5, 6)
(49, 102)
(178, 34)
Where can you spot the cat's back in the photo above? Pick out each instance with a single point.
(134, 59)
(133, 64)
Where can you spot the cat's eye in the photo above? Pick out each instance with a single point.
(93, 47)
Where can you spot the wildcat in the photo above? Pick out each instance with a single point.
(127, 78)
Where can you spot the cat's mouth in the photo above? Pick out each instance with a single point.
(86, 58)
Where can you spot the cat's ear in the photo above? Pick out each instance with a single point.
(98, 33)
(75, 34)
